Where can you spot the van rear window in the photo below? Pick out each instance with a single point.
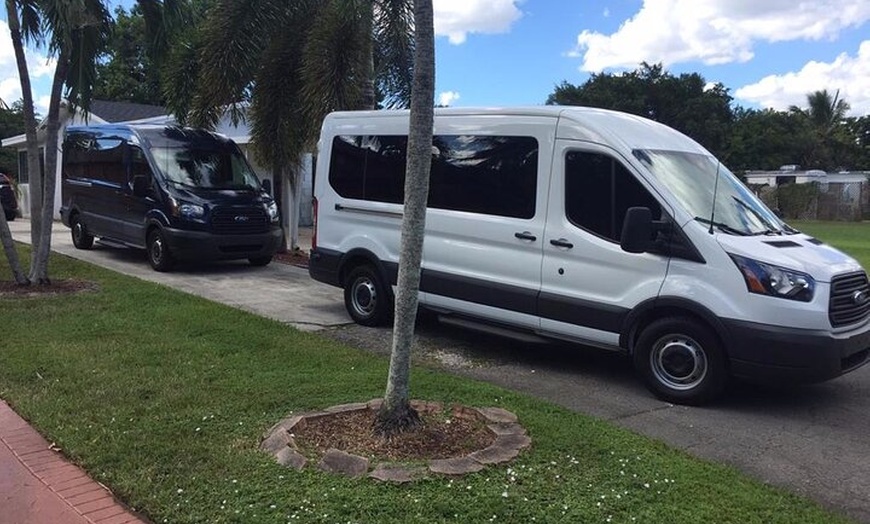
(492, 175)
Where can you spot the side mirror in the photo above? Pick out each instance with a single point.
(637, 230)
(267, 186)
(141, 185)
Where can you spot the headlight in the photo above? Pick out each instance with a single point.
(775, 281)
(272, 211)
(185, 210)
(191, 211)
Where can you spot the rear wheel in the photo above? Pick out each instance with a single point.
(260, 261)
(80, 236)
(159, 256)
(367, 297)
(681, 361)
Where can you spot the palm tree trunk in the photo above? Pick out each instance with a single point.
(396, 414)
(369, 97)
(33, 171)
(39, 272)
(11, 253)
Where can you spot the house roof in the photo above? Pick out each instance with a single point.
(114, 112)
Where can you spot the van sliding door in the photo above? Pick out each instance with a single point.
(588, 283)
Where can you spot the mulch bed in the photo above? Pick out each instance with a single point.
(440, 437)
(296, 258)
(57, 287)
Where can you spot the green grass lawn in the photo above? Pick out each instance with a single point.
(851, 237)
(163, 397)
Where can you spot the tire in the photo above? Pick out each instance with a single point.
(159, 256)
(260, 261)
(80, 237)
(681, 361)
(368, 299)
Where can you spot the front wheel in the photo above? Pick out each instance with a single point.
(80, 237)
(681, 361)
(159, 255)
(367, 298)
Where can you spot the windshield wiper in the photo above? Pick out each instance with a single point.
(769, 228)
(725, 228)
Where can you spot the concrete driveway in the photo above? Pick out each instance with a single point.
(812, 440)
(272, 291)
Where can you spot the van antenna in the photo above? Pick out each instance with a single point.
(715, 191)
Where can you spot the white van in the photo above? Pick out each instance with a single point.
(591, 226)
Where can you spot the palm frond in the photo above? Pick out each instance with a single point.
(393, 36)
(335, 58)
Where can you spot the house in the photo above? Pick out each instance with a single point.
(792, 174)
(106, 112)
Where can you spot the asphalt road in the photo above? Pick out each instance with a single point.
(813, 440)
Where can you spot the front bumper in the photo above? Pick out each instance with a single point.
(201, 245)
(772, 354)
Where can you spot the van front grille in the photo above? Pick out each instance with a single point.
(239, 220)
(850, 299)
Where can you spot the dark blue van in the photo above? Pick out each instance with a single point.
(179, 193)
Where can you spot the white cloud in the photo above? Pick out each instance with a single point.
(455, 19)
(39, 65)
(714, 31)
(447, 98)
(848, 74)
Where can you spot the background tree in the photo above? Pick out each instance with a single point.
(396, 413)
(767, 139)
(126, 71)
(832, 147)
(685, 103)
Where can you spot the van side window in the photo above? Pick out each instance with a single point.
(138, 163)
(493, 175)
(598, 192)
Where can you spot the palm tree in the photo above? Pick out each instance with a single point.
(76, 31)
(284, 65)
(24, 26)
(396, 413)
(826, 113)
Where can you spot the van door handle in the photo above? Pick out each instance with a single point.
(525, 235)
(561, 242)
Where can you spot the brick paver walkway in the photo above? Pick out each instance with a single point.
(39, 486)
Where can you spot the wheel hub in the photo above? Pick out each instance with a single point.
(364, 297)
(679, 362)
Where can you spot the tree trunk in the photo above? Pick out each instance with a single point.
(294, 179)
(396, 414)
(11, 253)
(369, 98)
(39, 271)
(34, 174)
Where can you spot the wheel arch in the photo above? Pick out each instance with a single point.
(358, 257)
(662, 307)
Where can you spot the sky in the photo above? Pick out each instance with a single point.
(768, 53)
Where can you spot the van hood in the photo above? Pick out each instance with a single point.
(220, 197)
(797, 252)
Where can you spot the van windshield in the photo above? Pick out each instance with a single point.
(209, 168)
(694, 178)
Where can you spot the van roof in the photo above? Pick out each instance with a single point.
(154, 134)
(574, 122)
